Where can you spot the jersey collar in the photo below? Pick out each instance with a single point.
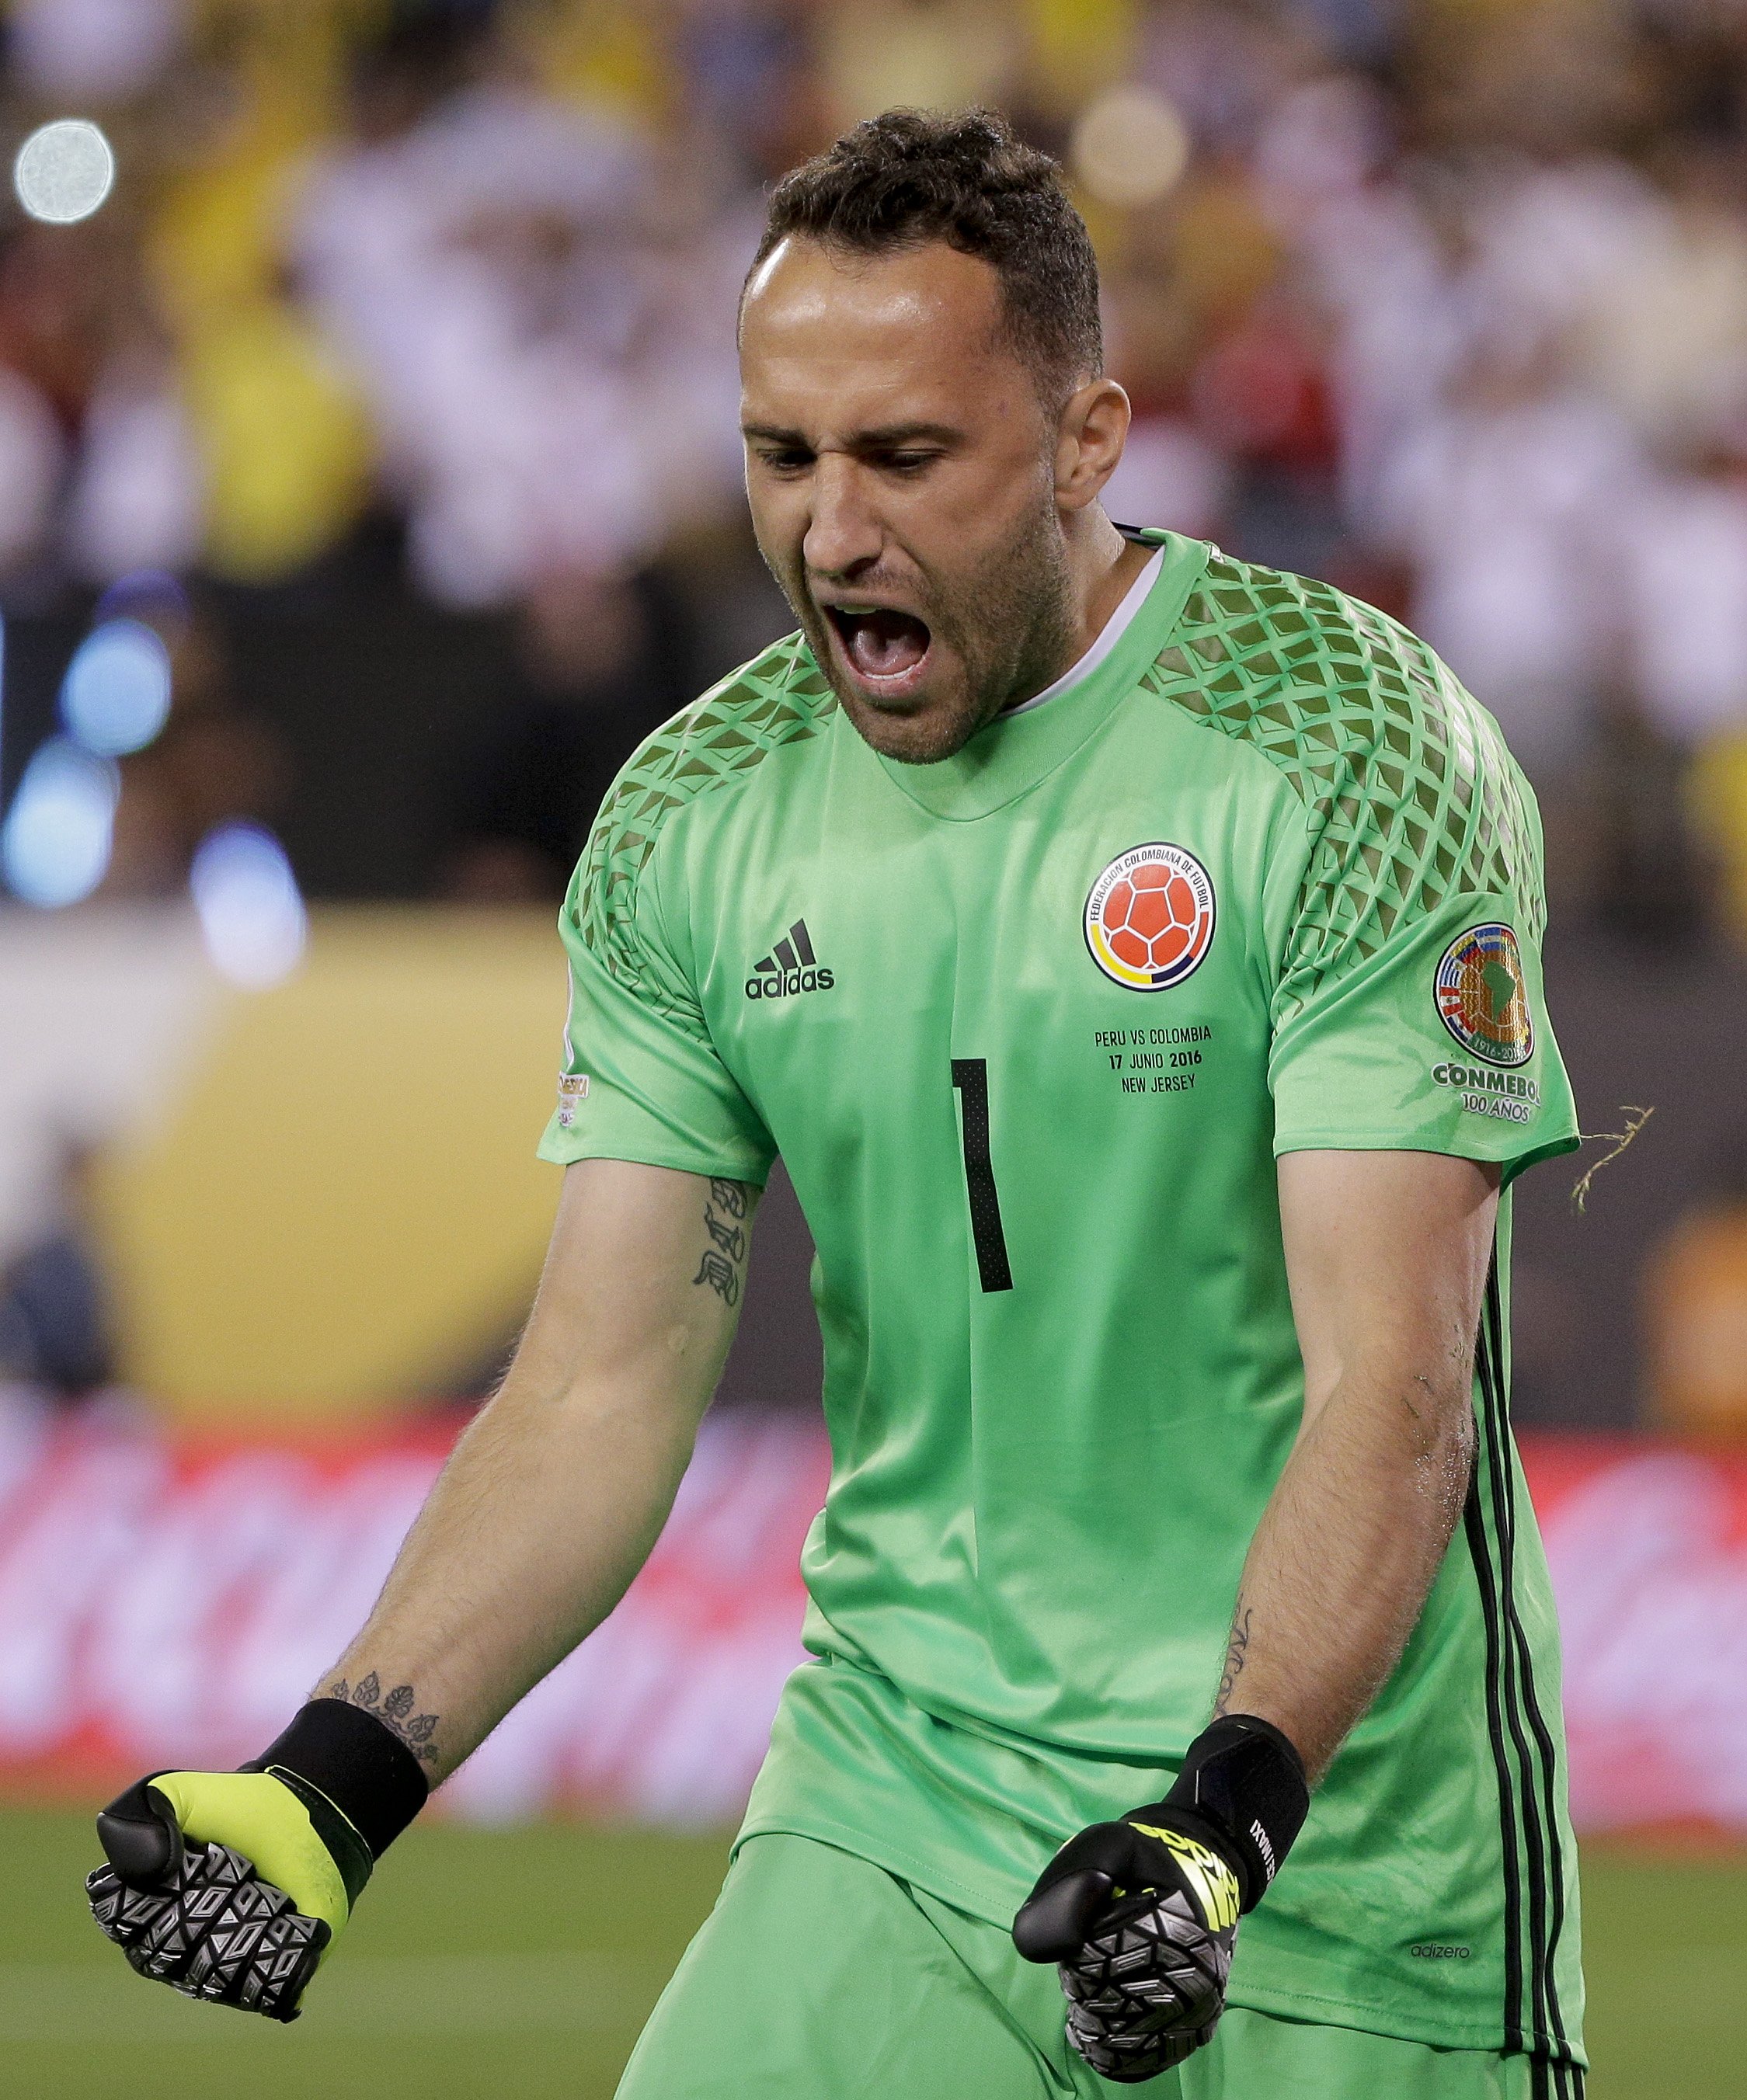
(1114, 628)
(1018, 750)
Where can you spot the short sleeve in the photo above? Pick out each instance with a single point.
(642, 1078)
(1410, 1011)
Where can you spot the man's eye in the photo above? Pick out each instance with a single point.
(908, 462)
(788, 461)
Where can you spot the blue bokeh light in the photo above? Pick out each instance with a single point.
(115, 697)
(152, 595)
(251, 911)
(56, 842)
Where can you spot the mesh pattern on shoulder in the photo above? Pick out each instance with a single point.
(1410, 790)
(779, 698)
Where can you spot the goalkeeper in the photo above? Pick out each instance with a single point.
(1133, 954)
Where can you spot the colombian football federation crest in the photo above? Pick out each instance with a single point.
(1483, 996)
(1149, 917)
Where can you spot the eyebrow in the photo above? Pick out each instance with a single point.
(884, 439)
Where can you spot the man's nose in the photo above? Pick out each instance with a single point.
(843, 535)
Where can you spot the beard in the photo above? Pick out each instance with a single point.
(1004, 631)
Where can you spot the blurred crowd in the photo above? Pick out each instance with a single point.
(1444, 300)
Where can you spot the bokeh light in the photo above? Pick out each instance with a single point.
(251, 911)
(54, 843)
(116, 695)
(152, 595)
(64, 171)
(1129, 147)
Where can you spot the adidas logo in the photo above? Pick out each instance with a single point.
(790, 967)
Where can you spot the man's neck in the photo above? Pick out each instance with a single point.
(1102, 567)
(1110, 567)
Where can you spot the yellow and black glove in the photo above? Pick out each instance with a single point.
(232, 1886)
(1141, 1915)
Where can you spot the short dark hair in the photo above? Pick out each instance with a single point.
(913, 176)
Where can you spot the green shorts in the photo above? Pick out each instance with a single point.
(820, 1976)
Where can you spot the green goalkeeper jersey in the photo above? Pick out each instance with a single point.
(1029, 1027)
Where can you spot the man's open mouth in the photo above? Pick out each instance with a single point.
(883, 647)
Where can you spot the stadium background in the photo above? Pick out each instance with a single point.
(369, 486)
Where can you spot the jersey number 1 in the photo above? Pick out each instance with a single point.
(970, 1080)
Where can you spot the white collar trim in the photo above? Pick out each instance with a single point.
(1112, 632)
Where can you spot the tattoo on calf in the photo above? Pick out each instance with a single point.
(395, 1712)
(723, 1263)
(1237, 1654)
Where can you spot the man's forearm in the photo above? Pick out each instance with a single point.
(540, 1520)
(557, 1491)
(1345, 1553)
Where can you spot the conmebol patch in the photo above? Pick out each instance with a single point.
(1483, 996)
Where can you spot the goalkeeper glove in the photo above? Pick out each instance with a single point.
(232, 1886)
(1141, 1915)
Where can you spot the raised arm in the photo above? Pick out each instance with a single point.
(1387, 1254)
(231, 1885)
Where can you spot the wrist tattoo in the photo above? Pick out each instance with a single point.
(1237, 1654)
(723, 1262)
(394, 1711)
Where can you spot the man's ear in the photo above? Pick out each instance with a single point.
(1090, 437)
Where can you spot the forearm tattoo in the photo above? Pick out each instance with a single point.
(1237, 1654)
(395, 1712)
(724, 1264)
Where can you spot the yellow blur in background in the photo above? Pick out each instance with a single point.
(334, 1205)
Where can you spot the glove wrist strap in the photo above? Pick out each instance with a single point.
(358, 1761)
(1243, 1780)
